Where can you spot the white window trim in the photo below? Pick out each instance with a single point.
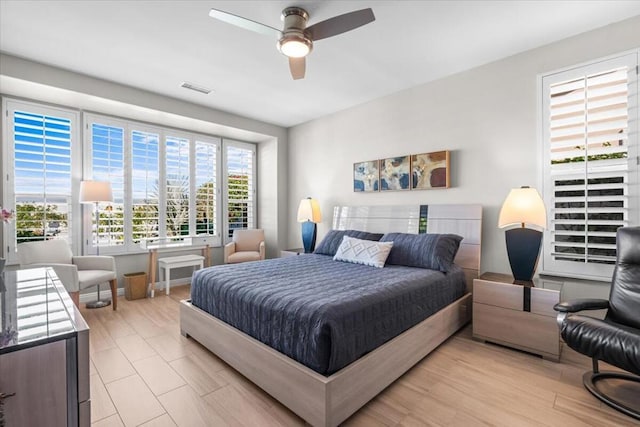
(8, 191)
(595, 272)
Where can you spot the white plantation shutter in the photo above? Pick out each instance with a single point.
(240, 182)
(107, 160)
(206, 186)
(177, 187)
(169, 180)
(40, 157)
(590, 120)
(145, 178)
(151, 170)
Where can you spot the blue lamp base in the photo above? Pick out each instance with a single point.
(309, 236)
(523, 248)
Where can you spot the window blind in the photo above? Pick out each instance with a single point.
(42, 177)
(177, 186)
(43, 156)
(240, 186)
(590, 165)
(206, 187)
(107, 164)
(145, 192)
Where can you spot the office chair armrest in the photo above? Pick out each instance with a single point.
(94, 262)
(576, 305)
(229, 248)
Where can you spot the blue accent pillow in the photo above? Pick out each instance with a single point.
(333, 239)
(432, 251)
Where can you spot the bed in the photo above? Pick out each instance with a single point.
(332, 370)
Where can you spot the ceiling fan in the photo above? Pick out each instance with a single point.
(296, 39)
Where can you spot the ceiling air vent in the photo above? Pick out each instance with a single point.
(197, 88)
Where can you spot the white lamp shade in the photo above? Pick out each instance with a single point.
(309, 210)
(95, 191)
(523, 206)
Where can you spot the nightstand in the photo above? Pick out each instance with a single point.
(516, 315)
(291, 252)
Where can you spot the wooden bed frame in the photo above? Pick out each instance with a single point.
(327, 401)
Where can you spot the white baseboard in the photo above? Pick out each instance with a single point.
(105, 292)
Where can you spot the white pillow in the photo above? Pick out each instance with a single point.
(365, 252)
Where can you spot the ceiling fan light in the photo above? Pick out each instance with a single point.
(294, 46)
(295, 49)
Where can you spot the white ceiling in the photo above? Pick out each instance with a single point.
(156, 45)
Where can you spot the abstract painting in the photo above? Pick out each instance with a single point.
(366, 176)
(430, 170)
(394, 173)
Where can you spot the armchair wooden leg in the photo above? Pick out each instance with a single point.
(114, 293)
(75, 297)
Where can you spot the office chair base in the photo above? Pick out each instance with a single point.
(589, 380)
(98, 304)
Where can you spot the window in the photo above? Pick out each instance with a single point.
(590, 121)
(107, 164)
(40, 158)
(164, 182)
(240, 176)
(206, 159)
(177, 186)
(145, 176)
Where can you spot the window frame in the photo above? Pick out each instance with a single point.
(80, 226)
(147, 129)
(225, 185)
(130, 246)
(190, 158)
(10, 105)
(88, 209)
(592, 271)
(219, 209)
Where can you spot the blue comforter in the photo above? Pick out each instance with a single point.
(323, 313)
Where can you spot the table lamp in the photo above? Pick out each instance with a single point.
(523, 206)
(96, 192)
(309, 215)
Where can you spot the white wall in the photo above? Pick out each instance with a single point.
(271, 184)
(486, 117)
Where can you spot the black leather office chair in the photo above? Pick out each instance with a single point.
(616, 339)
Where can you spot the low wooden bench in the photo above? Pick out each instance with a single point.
(166, 264)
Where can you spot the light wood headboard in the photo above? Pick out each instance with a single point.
(463, 220)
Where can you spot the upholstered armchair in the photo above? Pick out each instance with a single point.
(616, 339)
(247, 245)
(75, 272)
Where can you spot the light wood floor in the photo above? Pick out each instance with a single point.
(143, 372)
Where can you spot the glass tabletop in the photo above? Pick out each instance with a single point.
(34, 308)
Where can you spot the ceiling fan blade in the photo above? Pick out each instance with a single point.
(245, 23)
(340, 24)
(297, 67)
